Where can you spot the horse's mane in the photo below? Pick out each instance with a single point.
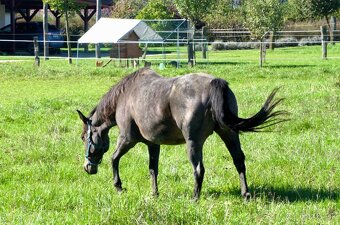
(107, 106)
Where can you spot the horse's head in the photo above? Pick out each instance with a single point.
(96, 141)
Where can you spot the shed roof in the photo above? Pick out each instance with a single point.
(108, 30)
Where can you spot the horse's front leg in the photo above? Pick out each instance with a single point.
(153, 166)
(123, 146)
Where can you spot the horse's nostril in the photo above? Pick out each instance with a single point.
(90, 169)
(86, 169)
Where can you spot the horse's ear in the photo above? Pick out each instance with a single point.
(82, 117)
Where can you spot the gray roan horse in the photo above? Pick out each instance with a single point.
(156, 110)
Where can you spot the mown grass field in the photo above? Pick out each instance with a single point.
(293, 172)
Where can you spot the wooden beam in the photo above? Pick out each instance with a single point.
(27, 14)
(86, 16)
(57, 16)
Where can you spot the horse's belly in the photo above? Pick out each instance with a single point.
(163, 134)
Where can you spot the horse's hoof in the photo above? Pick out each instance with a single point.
(247, 196)
(155, 193)
(195, 197)
(120, 189)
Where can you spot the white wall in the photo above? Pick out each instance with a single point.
(4, 17)
(7, 18)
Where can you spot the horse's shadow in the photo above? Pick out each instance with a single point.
(284, 194)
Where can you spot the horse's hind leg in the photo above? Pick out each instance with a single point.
(123, 146)
(196, 158)
(232, 141)
(153, 166)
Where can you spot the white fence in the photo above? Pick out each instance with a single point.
(174, 48)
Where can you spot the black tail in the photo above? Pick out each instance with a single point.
(220, 105)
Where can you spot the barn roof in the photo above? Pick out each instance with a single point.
(108, 30)
(38, 4)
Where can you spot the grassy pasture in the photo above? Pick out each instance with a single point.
(293, 172)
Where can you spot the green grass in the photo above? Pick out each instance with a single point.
(293, 172)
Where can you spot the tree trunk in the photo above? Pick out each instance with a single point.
(45, 28)
(330, 30)
(68, 34)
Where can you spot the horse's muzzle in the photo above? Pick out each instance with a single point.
(90, 168)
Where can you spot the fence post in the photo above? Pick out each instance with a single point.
(323, 31)
(204, 44)
(36, 51)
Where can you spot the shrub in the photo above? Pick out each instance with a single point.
(286, 42)
(231, 45)
(315, 40)
(217, 45)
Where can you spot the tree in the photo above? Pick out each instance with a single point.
(225, 13)
(194, 10)
(218, 15)
(157, 9)
(262, 16)
(127, 9)
(65, 7)
(298, 10)
(324, 9)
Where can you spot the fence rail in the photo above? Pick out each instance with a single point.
(213, 41)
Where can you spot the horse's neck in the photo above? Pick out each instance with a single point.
(101, 123)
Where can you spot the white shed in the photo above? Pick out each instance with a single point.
(124, 34)
(108, 30)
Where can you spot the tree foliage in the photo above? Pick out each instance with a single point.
(262, 16)
(128, 9)
(194, 10)
(224, 13)
(322, 8)
(298, 10)
(64, 5)
(157, 9)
